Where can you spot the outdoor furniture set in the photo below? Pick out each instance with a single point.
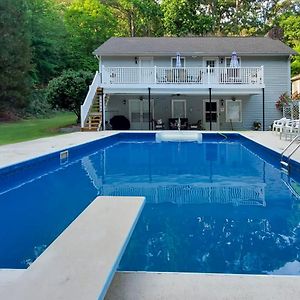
(286, 128)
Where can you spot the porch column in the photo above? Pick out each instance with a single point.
(263, 109)
(102, 109)
(210, 114)
(149, 103)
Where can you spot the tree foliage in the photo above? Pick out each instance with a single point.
(291, 27)
(137, 17)
(89, 24)
(184, 17)
(42, 38)
(68, 91)
(47, 40)
(15, 55)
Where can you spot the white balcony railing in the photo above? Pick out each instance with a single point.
(193, 75)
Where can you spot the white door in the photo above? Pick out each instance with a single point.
(213, 116)
(146, 70)
(139, 113)
(179, 108)
(211, 75)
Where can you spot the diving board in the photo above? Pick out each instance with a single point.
(81, 262)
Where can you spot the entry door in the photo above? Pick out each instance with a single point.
(179, 108)
(214, 114)
(211, 76)
(139, 113)
(146, 70)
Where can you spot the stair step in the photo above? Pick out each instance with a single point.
(284, 164)
(88, 129)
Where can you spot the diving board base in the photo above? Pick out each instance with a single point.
(178, 136)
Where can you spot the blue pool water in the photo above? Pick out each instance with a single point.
(222, 206)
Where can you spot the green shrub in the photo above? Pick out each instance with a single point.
(38, 106)
(69, 90)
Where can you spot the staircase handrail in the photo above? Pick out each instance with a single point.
(85, 107)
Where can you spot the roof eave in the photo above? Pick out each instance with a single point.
(191, 54)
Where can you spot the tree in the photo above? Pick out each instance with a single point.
(48, 40)
(15, 55)
(69, 90)
(185, 17)
(291, 27)
(89, 24)
(137, 17)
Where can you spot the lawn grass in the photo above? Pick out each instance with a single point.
(13, 132)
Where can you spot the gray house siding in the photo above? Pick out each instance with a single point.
(277, 81)
(276, 78)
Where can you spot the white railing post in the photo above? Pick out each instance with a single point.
(155, 70)
(262, 75)
(208, 76)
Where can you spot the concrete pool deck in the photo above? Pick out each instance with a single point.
(15, 153)
(141, 285)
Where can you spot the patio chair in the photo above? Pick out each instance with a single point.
(279, 124)
(173, 123)
(196, 126)
(290, 130)
(158, 124)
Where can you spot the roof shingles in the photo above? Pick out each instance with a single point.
(193, 46)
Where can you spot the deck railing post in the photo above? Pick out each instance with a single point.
(208, 76)
(262, 75)
(263, 108)
(210, 112)
(155, 70)
(103, 109)
(149, 104)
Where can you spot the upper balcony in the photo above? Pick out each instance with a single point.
(199, 76)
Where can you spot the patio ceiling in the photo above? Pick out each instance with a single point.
(186, 90)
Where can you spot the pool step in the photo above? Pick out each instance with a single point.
(284, 166)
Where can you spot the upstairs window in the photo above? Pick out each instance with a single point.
(173, 62)
(228, 59)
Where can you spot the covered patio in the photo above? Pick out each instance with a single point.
(213, 108)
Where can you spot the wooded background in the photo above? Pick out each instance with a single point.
(40, 39)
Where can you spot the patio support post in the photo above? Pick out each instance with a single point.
(149, 103)
(263, 108)
(210, 114)
(102, 109)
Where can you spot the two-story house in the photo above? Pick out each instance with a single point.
(222, 83)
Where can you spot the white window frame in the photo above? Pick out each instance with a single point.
(215, 58)
(241, 111)
(174, 58)
(179, 100)
(228, 58)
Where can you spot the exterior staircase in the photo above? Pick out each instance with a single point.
(94, 119)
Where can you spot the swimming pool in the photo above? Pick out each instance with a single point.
(221, 206)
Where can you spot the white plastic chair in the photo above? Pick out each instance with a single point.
(278, 125)
(291, 129)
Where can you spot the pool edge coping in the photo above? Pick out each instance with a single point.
(243, 134)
